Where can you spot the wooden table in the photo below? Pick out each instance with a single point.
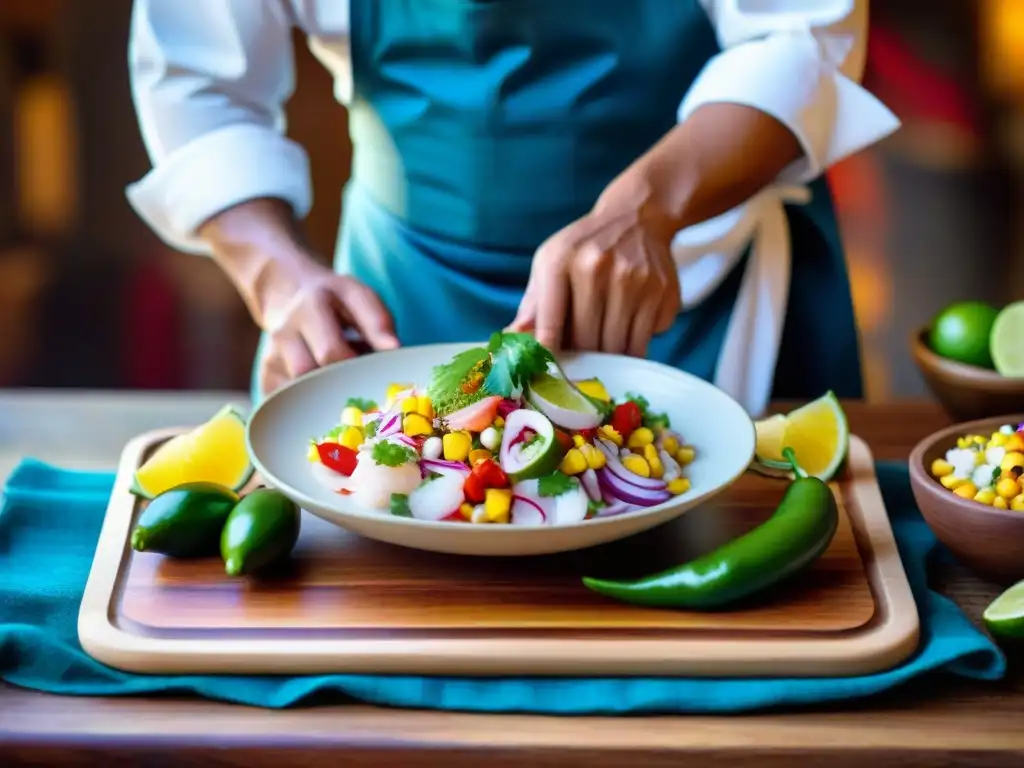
(932, 721)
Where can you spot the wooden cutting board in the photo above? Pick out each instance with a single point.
(348, 604)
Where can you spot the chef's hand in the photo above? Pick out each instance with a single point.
(607, 281)
(304, 307)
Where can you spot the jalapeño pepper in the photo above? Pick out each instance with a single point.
(797, 533)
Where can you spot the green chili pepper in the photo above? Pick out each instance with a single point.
(798, 532)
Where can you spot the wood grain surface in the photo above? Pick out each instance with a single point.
(934, 721)
(349, 604)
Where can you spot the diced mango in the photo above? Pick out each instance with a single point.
(457, 445)
(466, 510)
(654, 461)
(640, 437)
(313, 455)
(685, 455)
(425, 407)
(608, 432)
(352, 416)
(414, 424)
(595, 458)
(637, 465)
(478, 455)
(678, 486)
(352, 438)
(966, 491)
(1008, 487)
(573, 463)
(593, 388)
(497, 504)
(952, 483)
(985, 496)
(410, 405)
(941, 468)
(669, 445)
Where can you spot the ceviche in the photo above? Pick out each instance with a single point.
(500, 435)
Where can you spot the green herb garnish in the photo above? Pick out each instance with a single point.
(515, 359)
(556, 484)
(361, 403)
(390, 454)
(335, 433)
(400, 505)
(651, 419)
(371, 429)
(593, 507)
(446, 389)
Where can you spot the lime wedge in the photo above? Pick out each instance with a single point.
(771, 435)
(562, 402)
(1007, 341)
(213, 452)
(1004, 617)
(817, 433)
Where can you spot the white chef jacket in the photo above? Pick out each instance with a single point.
(210, 78)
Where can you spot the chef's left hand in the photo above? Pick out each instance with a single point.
(606, 282)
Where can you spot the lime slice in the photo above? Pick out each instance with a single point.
(1004, 617)
(213, 452)
(819, 435)
(562, 402)
(1007, 341)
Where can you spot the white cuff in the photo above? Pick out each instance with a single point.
(216, 171)
(792, 76)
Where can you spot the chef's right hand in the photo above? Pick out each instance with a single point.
(303, 306)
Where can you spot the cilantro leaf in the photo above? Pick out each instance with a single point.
(651, 419)
(556, 484)
(593, 507)
(390, 454)
(371, 429)
(361, 403)
(399, 506)
(446, 380)
(515, 359)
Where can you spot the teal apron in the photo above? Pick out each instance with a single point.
(481, 127)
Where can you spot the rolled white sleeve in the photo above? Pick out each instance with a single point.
(209, 79)
(801, 62)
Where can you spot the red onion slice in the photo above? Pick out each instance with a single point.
(391, 424)
(443, 467)
(615, 508)
(616, 468)
(621, 490)
(591, 484)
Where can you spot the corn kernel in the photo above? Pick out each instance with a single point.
(941, 468)
(637, 465)
(595, 458)
(498, 422)
(352, 438)
(457, 445)
(1015, 443)
(466, 510)
(573, 463)
(678, 486)
(593, 388)
(424, 406)
(351, 416)
(410, 405)
(1011, 460)
(669, 445)
(393, 391)
(997, 440)
(497, 503)
(578, 441)
(966, 491)
(685, 455)
(640, 437)
(1000, 503)
(1017, 503)
(952, 483)
(985, 496)
(963, 442)
(477, 455)
(979, 458)
(415, 424)
(654, 461)
(1008, 488)
(979, 439)
(313, 455)
(608, 432)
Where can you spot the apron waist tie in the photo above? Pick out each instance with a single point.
(707, 252)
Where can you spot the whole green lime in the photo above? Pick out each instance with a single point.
(961, 332)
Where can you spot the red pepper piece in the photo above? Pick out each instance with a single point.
(564, 440)
(589, 435)
(626, 417)
(474, 488)
(337, 457)
(491, 474)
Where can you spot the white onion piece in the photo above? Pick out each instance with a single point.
(443, 467)
(528, 491)
(616, 467)
(390, 424)
(526, 512)
(436, 499)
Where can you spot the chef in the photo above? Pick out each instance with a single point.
(641, 177)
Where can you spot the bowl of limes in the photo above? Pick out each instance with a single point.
(972, 357)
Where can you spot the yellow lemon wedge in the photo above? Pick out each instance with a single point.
(817, 432)
(213, 452)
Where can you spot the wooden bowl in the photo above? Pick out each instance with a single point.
(965, 391)
(989, 540)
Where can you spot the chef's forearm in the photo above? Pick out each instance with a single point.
(260, 247)
(719, 157)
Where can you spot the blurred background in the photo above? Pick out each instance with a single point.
(90, 298)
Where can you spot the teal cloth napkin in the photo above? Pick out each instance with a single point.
(50, 521)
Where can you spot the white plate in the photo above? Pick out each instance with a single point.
(280, 429)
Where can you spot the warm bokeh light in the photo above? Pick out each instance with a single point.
(1002, 45)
